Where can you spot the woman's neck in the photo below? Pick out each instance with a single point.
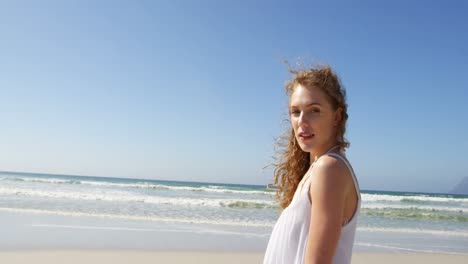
(317, 154)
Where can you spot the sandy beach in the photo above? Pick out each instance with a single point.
(123, 256)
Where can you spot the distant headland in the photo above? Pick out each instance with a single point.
(461, 187)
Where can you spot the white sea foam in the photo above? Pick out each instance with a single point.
(420, 198)
(123, 196)
(126, 196)
(435, 208)
(41, 180)
(141, 185)
(399, 198)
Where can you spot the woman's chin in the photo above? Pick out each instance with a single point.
(306, 147)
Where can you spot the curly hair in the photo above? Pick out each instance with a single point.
(293, 162)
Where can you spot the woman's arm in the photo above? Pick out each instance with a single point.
(328, 192)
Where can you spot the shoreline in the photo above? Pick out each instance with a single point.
(33, 232)
(202, 256)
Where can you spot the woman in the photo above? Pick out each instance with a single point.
(317, 187)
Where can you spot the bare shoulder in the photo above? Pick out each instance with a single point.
(331, 175)
(331, 166)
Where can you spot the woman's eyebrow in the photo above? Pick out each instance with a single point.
(310, 104)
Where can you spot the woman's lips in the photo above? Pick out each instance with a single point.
(306, 137)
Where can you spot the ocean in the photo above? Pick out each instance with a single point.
(40, 210)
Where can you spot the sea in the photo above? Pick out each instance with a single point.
(50, 211)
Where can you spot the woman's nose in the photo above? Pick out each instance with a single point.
(302, 120)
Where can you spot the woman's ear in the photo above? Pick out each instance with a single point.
(338, 116)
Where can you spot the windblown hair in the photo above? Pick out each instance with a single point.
(292, 161)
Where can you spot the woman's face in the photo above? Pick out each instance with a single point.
(313, 119)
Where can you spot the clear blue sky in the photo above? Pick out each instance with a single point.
(193, 90)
